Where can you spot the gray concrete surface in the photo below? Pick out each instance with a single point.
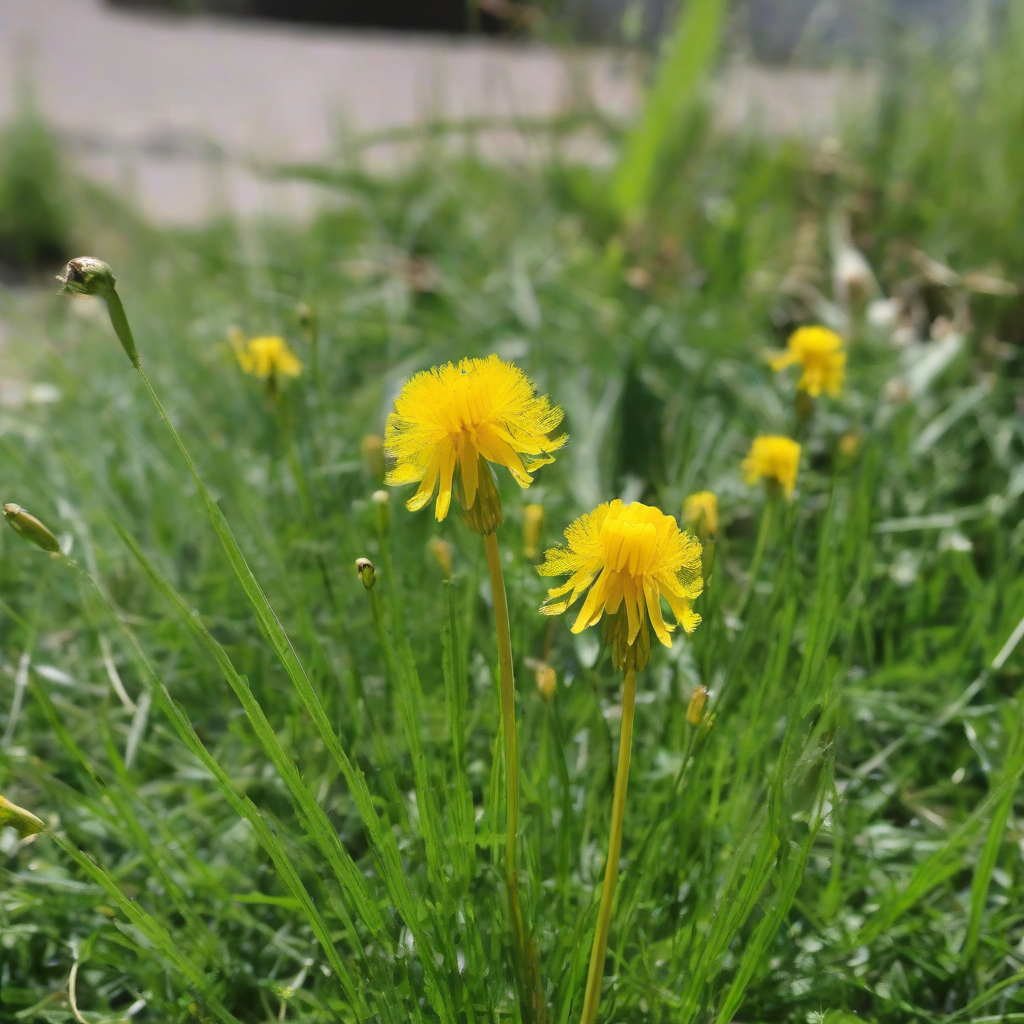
(176, 112)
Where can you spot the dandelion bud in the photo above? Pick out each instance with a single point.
(372, 447)
(366, 572)
(695, 709)
(306, 318)
(87, 276)
(443, 553)
(700, 513)
(26, 525)
(381, 504)
(533, 527)
(547, 681)
(25, 823)
(849, 443)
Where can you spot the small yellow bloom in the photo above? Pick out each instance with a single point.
(483, 410)
(700, 512)
(266, 357)
(820, 352)
(773, 459)
(629, 556)
(533, 527)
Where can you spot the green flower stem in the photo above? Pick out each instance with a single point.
(764, 531)
(534, 1005)
(611, 871)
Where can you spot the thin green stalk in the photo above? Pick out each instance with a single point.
(525, 951)
(764, 531)
(611, 871)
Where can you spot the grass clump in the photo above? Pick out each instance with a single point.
(272, 795)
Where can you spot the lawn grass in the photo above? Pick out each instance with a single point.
(314, 831)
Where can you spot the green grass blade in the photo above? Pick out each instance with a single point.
(689, 53)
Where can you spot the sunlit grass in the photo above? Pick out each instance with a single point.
(288, 793)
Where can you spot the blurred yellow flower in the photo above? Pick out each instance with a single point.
(483, 410)
(820, 352)
(700, 513)
(849, 443)
(775, 459)
(533, 527)
(547, 681)
(266, 357)
(443, 552)
(629, 556)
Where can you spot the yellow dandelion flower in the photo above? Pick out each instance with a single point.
(483, 410)
(630, 557)
(700, 512)
(774, 459)
(820, 352)
(266, 358)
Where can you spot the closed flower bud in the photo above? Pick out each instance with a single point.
(547, 681)
(381, 504)
(367, 573)
(306, 318)
(26, 525)
(695, 709)
(25, 823)
(372, 448)
(533, 528)
(442, 552)
(87, 276)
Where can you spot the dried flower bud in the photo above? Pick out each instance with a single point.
(25, 823)
(547, 681)
(26, 525)
(367, 573)
(382, 507)
(533, 528)
(372, 447)
(695, 709)
(87, 276)
(443, 552)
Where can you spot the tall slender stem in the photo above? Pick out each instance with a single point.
(759, 549)
(525, 953)
(611, 871)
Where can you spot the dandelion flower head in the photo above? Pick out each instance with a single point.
(700, 512)
(448, 417)
(266, 357)
(774, 459)
(629, 557)
(820, 352)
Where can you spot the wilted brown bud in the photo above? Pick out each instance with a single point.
(87, 276)
(25, 823)
(533, 528)
(695, 709)
(26, 525)
(547, 681)
(367, 573)
(443, 552)
(372, 447)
